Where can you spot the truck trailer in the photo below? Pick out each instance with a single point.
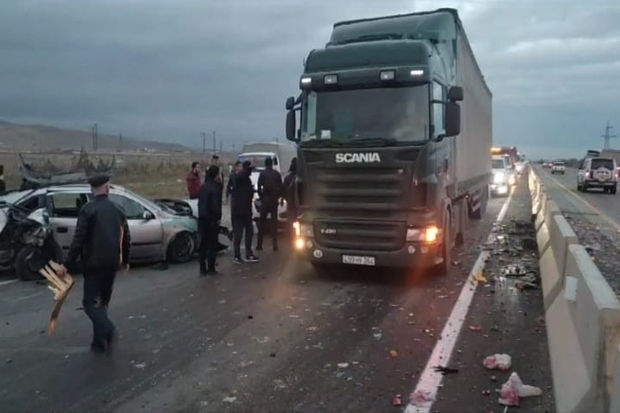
(393, 142)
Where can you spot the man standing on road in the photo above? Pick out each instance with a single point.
(209, 215)
(242, 192)
(101, 240)
(269, 191)
(193, 181)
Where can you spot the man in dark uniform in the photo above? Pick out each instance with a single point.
(241, 193)
(101, 241)
(209, 215)
(269, 191)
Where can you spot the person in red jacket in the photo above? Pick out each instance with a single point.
(193, 181)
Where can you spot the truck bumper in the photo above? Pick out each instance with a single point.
(412, 255)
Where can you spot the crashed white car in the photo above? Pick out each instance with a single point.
(158, 233)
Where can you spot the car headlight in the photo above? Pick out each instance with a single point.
(499, 177)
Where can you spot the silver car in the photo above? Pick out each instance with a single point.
(157, 232)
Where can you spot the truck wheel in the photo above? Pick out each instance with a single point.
(182, 247)
(579, 188)
(28, 263)
(446, 245)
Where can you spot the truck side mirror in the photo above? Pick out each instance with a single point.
(290, 103)
(455, 94)
(453, 119)
(290, 126)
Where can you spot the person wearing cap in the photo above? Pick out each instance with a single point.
(209, 215)
(242, 192)
(269, 191)
(101, 241)
(193, 181)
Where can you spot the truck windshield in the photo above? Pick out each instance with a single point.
(498, 164)
(394, 115)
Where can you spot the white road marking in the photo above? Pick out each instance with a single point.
(430, 380)
(9, 281)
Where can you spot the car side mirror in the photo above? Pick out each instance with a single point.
(290, 103)
(148, 215)
(290, 126)
(453, 119)
(455, 94)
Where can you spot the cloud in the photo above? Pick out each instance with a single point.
(171, 69)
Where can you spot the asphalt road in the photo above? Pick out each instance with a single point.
(594, 204)
(274, 337)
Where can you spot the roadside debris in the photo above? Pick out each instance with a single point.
(421, 398)
(444, 370)
(480, 278)
(498, 362)
(514, 388)
(229, 399)
(397, 400)
(343, 365)
(393, 353)
(475, 328)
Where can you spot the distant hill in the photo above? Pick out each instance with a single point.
(49, 138)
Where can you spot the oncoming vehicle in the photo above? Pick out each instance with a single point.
(157, 232)
(598, 173)
(499, 182)
(558, 168)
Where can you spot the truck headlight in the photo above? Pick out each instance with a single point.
(428, 234)
(303, 230)
(499, 177)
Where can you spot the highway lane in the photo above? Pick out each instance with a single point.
(270, 337)
(598, 207)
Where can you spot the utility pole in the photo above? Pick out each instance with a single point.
(120, 142)
(213, 141)
(608, 136)
(204, 142)
(95, 135)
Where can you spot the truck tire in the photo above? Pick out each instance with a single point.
(446, 245)
(584, 187)
(613, 190)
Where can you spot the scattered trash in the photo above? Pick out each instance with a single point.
(250, 317)
(514, 388)
(343, 365)
(498, 362)
(457, 263)
(486, 392)
(493, 378)
(393, 353)
(480, 278)
(525, 285)
(378, 336)
(312, 328)
(272, 355)
(421, 398)
(222, 302)
(529, 244)
(229, 399)
(445, 370)
(139, 365)
(475, 328)
(397, 400)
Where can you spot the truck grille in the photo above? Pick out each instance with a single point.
(359, 189)
(360, 235)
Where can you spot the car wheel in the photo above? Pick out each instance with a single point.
(182, 247)
(28, 263)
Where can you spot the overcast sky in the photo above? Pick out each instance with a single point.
(168, 70)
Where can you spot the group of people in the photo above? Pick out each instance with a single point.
(271, 190)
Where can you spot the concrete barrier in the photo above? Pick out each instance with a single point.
(582, 315)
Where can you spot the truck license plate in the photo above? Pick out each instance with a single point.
(358, 260)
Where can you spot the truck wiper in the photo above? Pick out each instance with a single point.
(374, 141)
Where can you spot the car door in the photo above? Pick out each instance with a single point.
(145, 229)
(64, 208)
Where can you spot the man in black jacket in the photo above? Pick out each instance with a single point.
(101, 241)
(209, 215)
(241, 194)
(269, 191)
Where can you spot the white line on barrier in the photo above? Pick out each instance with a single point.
(8, 281)
(430, 380)
(587, 204)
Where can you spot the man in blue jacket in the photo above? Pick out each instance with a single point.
(209, 216)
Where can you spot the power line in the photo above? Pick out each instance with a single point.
(608, 136)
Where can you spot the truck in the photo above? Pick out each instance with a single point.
(393, 143)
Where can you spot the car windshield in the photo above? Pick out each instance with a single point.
(395, 114)
(603, 163)
(498, 164)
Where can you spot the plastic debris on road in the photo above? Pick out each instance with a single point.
(343, 365)
(498, 362)
(514, 388)
(475, 328)
(393, 353)
(421, 398)
(397, 400)
(229, 399)
(444, 370)
(480, 278)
